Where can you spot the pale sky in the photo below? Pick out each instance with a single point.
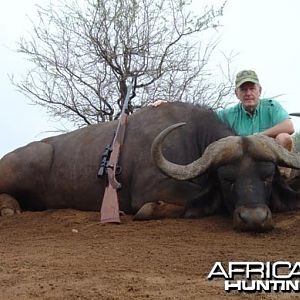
(264, 33)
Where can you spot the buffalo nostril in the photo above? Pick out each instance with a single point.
(254, 215)
(253, 218)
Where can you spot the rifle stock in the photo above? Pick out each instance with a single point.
(110, 204)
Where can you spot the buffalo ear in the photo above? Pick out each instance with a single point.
(284, 197)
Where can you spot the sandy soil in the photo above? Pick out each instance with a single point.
(67, 254)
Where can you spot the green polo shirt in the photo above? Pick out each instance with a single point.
(267, 114)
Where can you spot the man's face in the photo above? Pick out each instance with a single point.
(248, 93)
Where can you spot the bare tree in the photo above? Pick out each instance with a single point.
(84, 52)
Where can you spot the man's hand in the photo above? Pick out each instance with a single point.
(157, 103)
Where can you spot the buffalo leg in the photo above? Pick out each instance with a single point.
(8, 205)
(24, 174)
(159, 210)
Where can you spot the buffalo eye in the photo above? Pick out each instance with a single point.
(229, 182)
(266, 171)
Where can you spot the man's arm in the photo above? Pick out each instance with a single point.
(285, 126)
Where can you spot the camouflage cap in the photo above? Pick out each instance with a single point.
(245, 76)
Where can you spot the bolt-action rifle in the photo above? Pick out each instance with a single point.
(109, 164)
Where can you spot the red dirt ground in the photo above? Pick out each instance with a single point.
(67, 254)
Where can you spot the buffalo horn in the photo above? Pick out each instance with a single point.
(215, 154)
(267, 148)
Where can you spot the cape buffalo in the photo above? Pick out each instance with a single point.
(235, 173)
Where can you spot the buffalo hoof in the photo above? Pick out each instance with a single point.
(253, 219)
(158, 210)
(7, 212)
(8, 205)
